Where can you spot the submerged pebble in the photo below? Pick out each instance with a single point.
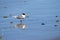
(55, 25)
(42, 23)
(0, 37)
(57, 20)
(5, 16)
(25, 1)
(56, 16)
(5, 7)
(11, 22)
(58, 38)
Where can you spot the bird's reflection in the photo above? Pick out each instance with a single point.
(20, 25)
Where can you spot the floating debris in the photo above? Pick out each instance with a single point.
(42, 23)
(5, 16)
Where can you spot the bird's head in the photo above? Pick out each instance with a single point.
(25, 14)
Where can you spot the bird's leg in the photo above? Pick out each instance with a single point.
(21, 21)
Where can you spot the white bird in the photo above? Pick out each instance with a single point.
(22, 16)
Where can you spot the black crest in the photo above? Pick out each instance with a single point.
(23, 13)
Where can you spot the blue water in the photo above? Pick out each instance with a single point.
(39, 11)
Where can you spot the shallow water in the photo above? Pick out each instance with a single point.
(39, 11)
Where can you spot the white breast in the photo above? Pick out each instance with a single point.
(23, 16)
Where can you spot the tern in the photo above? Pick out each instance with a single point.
(22, 16)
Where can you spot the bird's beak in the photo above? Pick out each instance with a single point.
(27, 15)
